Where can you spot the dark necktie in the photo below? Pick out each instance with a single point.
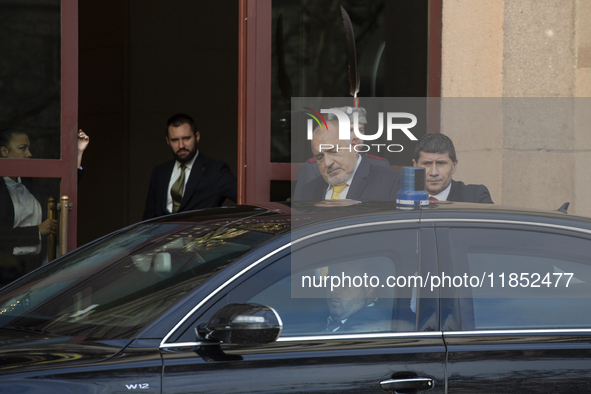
(433, 199)
(176, 191)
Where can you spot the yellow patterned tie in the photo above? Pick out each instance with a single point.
(176, 191)
(336, 191)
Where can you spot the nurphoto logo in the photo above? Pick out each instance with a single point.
(346, 127)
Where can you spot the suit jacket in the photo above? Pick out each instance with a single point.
(209, 184)
(370, 183)
(13, 237)
(309, 170)
(368, 319)
(461, 192)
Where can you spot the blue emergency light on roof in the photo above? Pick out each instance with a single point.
(412, 194)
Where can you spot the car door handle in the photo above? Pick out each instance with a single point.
(406, 384)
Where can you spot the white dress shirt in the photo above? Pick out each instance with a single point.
(444, 194)
(27, 212)
(176, 173)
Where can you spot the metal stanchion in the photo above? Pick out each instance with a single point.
(63, 233)
(51, 240)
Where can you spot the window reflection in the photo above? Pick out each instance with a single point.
(534, 280)
(114, 288)
(24, 224)
(309, 56)
(30, 72)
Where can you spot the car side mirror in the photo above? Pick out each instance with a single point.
(242, 324)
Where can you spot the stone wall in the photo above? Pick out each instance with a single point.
(519, 64)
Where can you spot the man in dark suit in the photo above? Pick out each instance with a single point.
(368, 315)
(345, 173)
(190, 181)
(355, 308)
(436, 152)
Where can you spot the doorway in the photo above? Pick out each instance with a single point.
(142, 61)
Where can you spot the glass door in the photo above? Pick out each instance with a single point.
(38, 119)
(296, 48)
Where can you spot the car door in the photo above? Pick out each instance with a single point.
(524, 324)
(407, 352)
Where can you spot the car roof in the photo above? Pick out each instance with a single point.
(283, 217)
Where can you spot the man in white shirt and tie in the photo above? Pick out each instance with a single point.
(190, 181)
(436, 153)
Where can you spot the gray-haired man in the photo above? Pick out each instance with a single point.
(309, 170)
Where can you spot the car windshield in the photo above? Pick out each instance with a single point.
(114, 288)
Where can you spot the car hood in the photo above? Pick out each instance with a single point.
(25, 351)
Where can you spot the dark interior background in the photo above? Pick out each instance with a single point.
(140, 62)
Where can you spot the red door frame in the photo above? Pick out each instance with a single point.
(255, 169)
(64, 168)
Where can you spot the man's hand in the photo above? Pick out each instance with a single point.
(48, 227)
(83, 140)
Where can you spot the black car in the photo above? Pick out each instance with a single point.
(458, 298)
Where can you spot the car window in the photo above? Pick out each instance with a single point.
(530, 279)
(121, 284)
(298, 286)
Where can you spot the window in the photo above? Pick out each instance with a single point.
(295, 286)
(31, 72)
(532, 279)
(116, 287)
